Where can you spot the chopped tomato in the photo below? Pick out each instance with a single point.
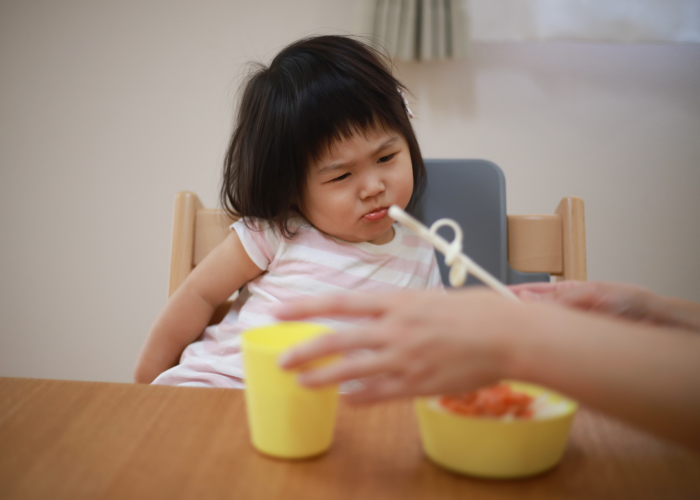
(493, 401)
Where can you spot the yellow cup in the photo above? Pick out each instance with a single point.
(286, 420)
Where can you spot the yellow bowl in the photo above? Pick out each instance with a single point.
(494, 448)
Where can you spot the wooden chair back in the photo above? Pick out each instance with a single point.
(554, 244)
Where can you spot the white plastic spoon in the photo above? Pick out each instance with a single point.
(460, 264)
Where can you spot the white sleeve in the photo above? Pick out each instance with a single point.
(260, 239)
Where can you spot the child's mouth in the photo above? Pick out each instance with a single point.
(376, 214)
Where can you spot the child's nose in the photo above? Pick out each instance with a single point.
(372, 186)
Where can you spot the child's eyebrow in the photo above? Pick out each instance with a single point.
(336, 166)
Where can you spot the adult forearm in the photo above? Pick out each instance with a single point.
(648, 376)
(682, 313)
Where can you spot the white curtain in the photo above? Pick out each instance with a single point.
(420, 30)
(589, 20)
(415, 30)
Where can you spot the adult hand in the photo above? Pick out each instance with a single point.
(425, 343)
(417, 343)
(616, 299)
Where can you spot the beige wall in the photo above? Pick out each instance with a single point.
(107, 110)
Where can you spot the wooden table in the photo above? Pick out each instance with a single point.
(90, 440)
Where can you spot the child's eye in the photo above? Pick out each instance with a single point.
(341, 177)
(385, 159)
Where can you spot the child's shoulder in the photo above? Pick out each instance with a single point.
(269, 228)
(253, 224)
(263, 240)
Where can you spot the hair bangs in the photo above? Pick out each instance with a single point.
(337, 118)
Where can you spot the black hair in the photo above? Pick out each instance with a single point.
(316, 91)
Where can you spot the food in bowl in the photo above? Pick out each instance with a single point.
(498, 446)
(503, 402)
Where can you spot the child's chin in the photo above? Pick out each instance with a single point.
(381, 237)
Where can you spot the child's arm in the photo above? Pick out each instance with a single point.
(227, 268)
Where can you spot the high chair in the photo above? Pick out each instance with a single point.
(514, 248)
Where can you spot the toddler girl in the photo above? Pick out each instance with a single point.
(322, 147)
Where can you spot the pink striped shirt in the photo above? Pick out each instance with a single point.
(311, 263)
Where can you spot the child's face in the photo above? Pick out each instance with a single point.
(351, 188)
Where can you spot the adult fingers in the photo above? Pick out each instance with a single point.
(337, 305)
(397, 380)
(532, 287)
(333, 343)
(380, 389)
(584, 297)
(358, 367)
(574, 294)
(544, 288)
